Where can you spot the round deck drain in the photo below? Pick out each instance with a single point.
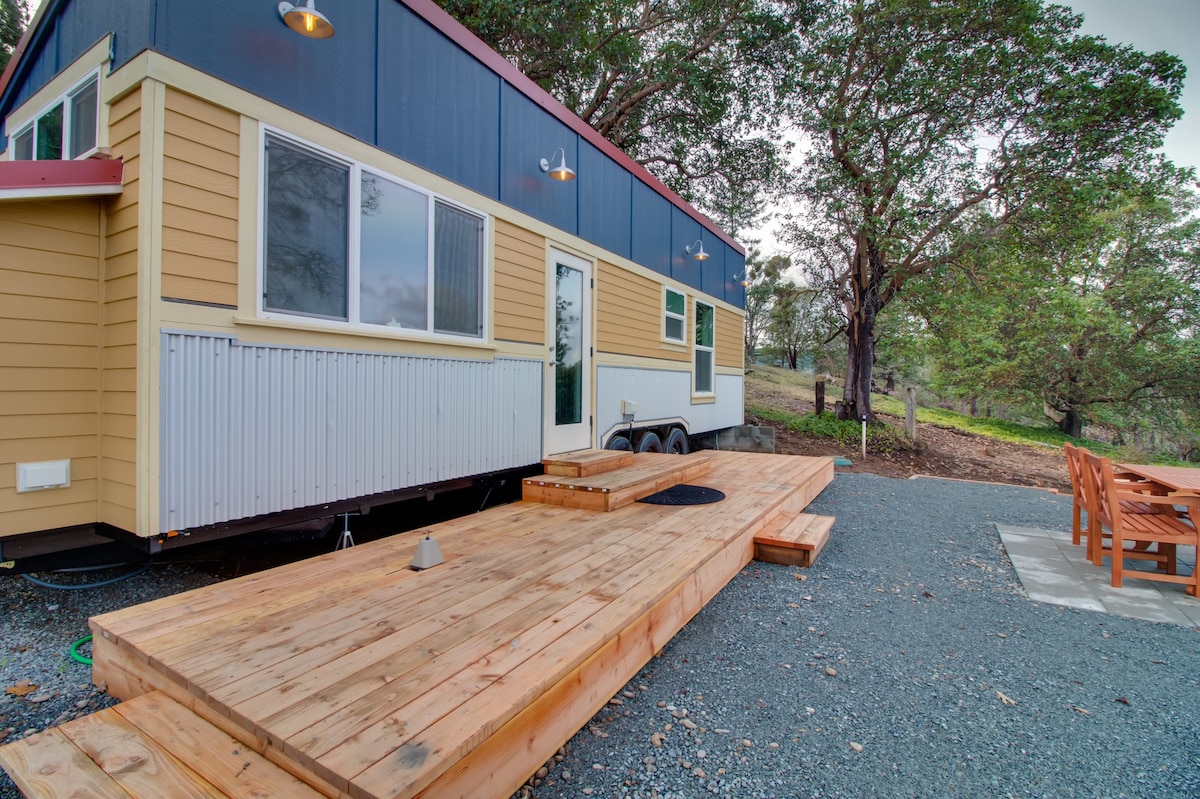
(684, 495)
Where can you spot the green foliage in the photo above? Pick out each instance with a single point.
(936, 126)
(848, 433)
(14, 16)
(1087, 306)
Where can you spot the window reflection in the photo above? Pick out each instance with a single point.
(393, 257)
(307, 233)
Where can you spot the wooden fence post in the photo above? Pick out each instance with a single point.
(819, 396)
(910, 412)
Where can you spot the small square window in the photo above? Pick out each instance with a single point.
(674, 319)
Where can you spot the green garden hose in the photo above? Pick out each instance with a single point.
(75, 650)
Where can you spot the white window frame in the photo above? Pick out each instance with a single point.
(353, 272)
(697, 347)
(68, 122)
(668, 314)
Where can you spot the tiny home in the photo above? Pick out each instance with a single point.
(250, 276)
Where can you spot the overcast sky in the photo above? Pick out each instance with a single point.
(1150, 26)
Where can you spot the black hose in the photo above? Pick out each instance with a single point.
(85, 586)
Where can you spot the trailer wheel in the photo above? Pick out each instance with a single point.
(619, 442)
(677, 442)
(649, 442)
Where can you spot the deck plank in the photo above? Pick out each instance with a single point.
(140, 767)
(49, 765)
(366, 678)
(234, 770)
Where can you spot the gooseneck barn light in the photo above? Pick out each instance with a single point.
(306, 20)
(696, 250)
(560, 172)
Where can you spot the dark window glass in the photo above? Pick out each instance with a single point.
(23, 146)
(49, 134)
(457, 271)
(83, 120)
(307, 232)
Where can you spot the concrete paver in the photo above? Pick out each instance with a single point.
(1055, 571)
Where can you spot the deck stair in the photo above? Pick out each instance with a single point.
(599, 480)
(134, 749)
(793, 539)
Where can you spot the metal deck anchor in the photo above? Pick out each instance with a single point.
(346, 540)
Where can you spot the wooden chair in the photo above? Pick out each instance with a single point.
(1094, 532)
(1165, 529)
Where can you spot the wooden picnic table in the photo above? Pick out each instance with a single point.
(1181, 481)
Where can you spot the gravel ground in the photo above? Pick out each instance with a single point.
(907, 662)
(43, 686)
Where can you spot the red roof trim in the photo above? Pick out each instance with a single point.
(17, 176)
(452, 28)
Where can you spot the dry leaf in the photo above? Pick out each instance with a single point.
(800, 576)
(793, 605)
(1006, 699)
(656, 740)
(1122, 700)
(856, 746)
(21, 688)
(1081, 710)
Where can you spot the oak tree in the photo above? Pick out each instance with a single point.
(930, 124)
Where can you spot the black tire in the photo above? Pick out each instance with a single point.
(677, 442)
(649, 442)
(619, 442)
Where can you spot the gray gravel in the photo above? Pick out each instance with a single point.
(904, 640)
(40, 624)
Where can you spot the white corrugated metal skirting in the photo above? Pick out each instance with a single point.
(251, 429)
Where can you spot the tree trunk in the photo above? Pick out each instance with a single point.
(860, 336)
(1072, 423)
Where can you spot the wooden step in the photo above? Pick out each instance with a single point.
(649, 474)
(134, 749)
(793, 540)
(587, 462)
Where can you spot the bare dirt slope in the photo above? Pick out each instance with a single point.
(940, 452)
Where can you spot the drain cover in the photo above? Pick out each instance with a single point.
(684, 495)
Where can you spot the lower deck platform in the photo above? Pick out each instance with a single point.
(364, 678)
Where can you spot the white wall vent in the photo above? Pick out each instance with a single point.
(43, 475)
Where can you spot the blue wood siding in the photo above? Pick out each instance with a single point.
(527, 135)
(685, 232)
(605, 197)
(393, 80)
(439, 110)
(651, 238)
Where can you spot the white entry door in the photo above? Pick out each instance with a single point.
(568, 423)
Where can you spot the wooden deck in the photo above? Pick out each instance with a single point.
(364, 678)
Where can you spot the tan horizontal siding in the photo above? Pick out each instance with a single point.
(520, 285)
(629, 313)
(117, 432)
(730, 339)
(199, 212)
(49, 308)
(68, 310)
